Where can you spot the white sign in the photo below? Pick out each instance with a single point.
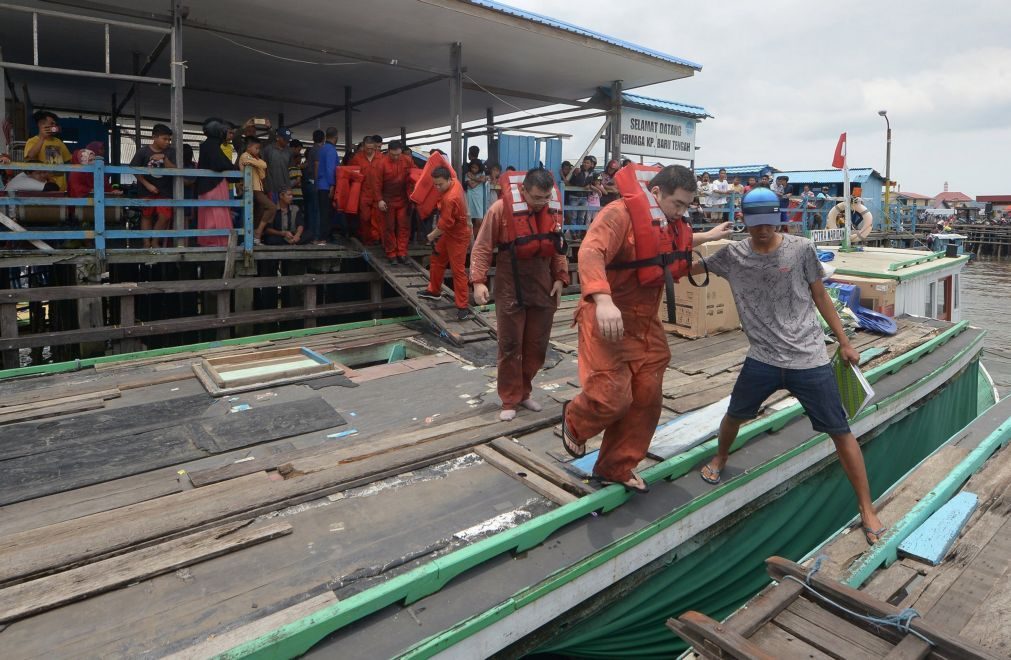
(646, 133)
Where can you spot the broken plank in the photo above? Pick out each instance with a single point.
(57, 400)
(535, 463)
(46, 593)
(46, 549)
(516, 471)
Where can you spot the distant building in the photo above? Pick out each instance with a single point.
(912, 200)
(966, 209)
(1000, 204)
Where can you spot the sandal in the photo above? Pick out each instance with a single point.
(634, 485)
(715, 477)
(571, 447)
(868, 532)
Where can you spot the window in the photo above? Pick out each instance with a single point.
(928, 310)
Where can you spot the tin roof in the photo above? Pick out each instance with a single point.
(736, 169)
(858, 175)
(583, 32)
(650, 103)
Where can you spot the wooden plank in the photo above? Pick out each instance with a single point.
(57, 400)
(910, 648)
(695, 401)
(46, 593)
(516, 471)
(9, 358)
(783, 645)
(695, 626)
(886, 583)
(831, 633)
(42, 412)
(14, 226)
(764, 607)
(219, 643)
(947, 643)
(535, 463)
(931, 541)
(697, 384)
(713, 365)
(384, 442)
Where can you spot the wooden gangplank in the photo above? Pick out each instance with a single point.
(411, 279)
(789, 621)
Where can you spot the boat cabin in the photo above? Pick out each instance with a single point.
(895, 281)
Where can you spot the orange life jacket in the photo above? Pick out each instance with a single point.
(348, 191)
(425, 194)
(663, 248)
(530, 234)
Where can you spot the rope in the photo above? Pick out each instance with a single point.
(899, 621)
(280, 57)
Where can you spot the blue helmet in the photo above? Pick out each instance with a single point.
(760, 206)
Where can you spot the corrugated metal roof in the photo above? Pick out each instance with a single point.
(857, 175)
(736, 169)
(637, 100)
(575, 29)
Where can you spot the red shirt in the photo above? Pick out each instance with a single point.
(371, 170)
(454, 219)
(393, 176)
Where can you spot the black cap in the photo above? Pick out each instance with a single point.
(395, 144)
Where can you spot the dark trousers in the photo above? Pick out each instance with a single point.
(328, 217)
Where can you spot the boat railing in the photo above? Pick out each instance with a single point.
(104, 204)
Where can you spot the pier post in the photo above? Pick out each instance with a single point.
(456, 105)
(348, 109)
(614, 144)
(178, 69)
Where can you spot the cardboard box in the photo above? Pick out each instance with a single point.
(702, 311)
(876, 294)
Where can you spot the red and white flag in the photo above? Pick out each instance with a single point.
(839, 159)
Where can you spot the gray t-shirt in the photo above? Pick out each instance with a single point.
(773, 297)
(277, 160)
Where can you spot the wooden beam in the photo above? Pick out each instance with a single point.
(49, 592)
(13, 226)
(516, 471)
(946, 643)
(186, 324)
(535, 463)
(48, 293)
(704, 633)
(764, 607)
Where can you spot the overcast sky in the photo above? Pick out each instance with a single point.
(784, 78)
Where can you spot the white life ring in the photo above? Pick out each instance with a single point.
(838, 216)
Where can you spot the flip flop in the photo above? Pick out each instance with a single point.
(566, 439)
(628, 487)
(876, 532)
(710, 480)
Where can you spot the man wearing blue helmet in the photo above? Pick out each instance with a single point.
(776, 282)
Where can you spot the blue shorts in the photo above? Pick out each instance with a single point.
(815, 389)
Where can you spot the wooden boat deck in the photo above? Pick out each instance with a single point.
(142, 516)
(963, 602)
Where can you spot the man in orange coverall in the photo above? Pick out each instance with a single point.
(623, 350)
(530, 271)
(370, 218)
(393, 186)
(451, 238)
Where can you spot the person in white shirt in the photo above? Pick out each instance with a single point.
(34, 181)
(720, 194)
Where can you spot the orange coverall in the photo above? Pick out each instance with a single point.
(370, 218)
(621, 381)
(523, 332)
(451, 247)
(397, 225)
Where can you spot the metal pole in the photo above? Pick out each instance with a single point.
(456, 105)
(614, 148)
(178, 83)
(888, 175)
(490, 132)
(348, 142)
(4, 147)
(136, 104)
(846, 202)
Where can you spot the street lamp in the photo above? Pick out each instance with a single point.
(888, 169)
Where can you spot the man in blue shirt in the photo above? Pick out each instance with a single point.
(326, 181)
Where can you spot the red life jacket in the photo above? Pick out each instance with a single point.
(660, 244)
(425, 194)
(348, 191)
(530, 234)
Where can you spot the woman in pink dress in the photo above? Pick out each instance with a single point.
(213, 158)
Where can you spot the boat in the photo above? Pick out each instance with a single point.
(934, 585)
(348, 490)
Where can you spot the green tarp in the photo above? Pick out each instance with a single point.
(721, 575)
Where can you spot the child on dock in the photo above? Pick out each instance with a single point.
(264, 207)
(776, 280)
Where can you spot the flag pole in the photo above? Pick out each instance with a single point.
(846, 201)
